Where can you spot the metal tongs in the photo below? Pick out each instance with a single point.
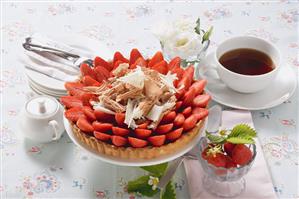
(76, 60)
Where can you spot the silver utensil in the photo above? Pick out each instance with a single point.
(76, 60)
(214, 121)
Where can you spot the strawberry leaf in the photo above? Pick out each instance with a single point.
(157, 170)
(242, 134)
(239, 140)
(215, 138)
(197, 27)
(140, 185)
(168, 192)
(207, 34)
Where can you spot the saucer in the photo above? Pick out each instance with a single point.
(282, 88)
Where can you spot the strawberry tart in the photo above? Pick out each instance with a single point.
(136, 108)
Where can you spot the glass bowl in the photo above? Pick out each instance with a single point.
(224, 182)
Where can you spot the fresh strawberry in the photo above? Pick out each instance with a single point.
(74, 114)
(168, 117)
(178, 105)
(163, 129)
(230, 163)
(241, 154)
(189, 123)
(103, 117)
(116, 64)
(73, 85)
(84, 125)
(118, 140)
(119, 57)
(175, 62)
(179, 72)
(158, 57)
(70, 101)
(144, 125)
(101, 136)
(134, 55)
(218, 159)
(139, 62)
(120, 118)
(157, 140)
(187, 111)
(200, 113)
(204, 153)
(89, 113)
(137, 143)
(180, 93)
(120, 131)
(185, 83)
(161, 67)
(189, 97)
(98, 61)
(199, 86)
(101, 73)
(87, 70)
(189, 73)
(89, 81)
(102, 127)
(143, 133)
(228, 148)
(175, 134)
(179, 120)
(201, 100)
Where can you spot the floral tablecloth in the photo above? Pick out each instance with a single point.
(60, 169)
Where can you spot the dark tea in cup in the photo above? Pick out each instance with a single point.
(247, 61)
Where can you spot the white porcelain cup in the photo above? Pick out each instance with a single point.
(41, 119)
(247, 83)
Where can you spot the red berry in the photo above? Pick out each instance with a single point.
(120, 131)
(230, 163)
(84, 125)
(101, 136)
(118, 140)
(102, 127)
(173, 135)
(157, 140)
(163, 129)
(228, 148)
(137, 143)
(241, 154)
(143, 133)
(218, 160)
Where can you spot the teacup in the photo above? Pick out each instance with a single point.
(247, 83)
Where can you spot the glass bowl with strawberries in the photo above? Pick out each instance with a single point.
(226, 158)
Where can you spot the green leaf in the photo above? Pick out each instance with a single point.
(242, 134)
(140, 185)
(215, 138)
(197, 27)
(168, 192)
(157, 170)
(207, 34)
(237, 140)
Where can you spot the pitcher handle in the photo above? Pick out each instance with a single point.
(54, 125)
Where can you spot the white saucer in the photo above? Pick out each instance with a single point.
(87, 47)
(46, 91)
(124, 162)
(279, 91)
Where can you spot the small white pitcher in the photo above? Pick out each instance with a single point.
(41, 119)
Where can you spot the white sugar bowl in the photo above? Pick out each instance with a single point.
(41, 119)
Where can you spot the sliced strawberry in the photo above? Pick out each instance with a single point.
(102, 127)
(179, 120)
(189, 123)
(180, 93)
(74, 114)
(185, 82)
(173, 135)
(101, 73)
(178, 71)
(89, 81)
(118, 140)
(87, 70)
(72, 85)
(89, 113)
(200, 113)
(98, 61)
(178, 105)
(101, 136)
(86, 98)
(120, 131)
(161, 67)
(158, 57)
(104, 117)
(188, 97)
(168, 117)
(120, 118)
(189, 72)
(163, 129)
(201, 100)
(70, 101)
(119, 57)
(144, 125)
(175, 62)
(84, 125)
(143, 133)
(187, 111)
(139, 62)
(137, 143)
(134, 55)
(157, 140)
(199, 86)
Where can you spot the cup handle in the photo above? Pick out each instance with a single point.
(212, 78)
(54, 125)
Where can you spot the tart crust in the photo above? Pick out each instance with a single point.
(148, 152)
